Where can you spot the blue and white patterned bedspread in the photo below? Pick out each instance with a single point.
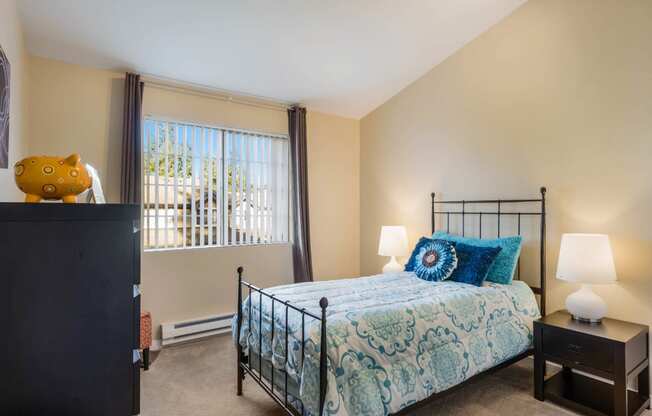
(392, 339)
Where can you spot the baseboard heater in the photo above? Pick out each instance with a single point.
(175, 332)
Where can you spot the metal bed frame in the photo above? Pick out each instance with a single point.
(244, 362)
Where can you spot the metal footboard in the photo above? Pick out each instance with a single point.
(290, 402)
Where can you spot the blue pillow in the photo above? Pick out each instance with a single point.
(473, 263)
(432, 260)
(502, 270)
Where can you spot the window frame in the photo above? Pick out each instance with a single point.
(223, 218)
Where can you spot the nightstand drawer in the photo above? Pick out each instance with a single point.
(578, 349)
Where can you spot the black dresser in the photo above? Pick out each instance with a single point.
(69, 309)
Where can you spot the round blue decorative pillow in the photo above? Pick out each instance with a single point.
(433, 260)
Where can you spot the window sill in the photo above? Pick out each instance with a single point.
(177, 249)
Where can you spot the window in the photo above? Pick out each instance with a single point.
(206, 186)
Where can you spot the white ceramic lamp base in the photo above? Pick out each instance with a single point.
(393, 266)
(586, 306)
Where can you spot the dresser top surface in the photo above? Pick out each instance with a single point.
(44, 211)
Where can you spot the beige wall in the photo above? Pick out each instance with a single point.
(195, 283)
(334, 192)
(79, 109)
(557, 94)
(11, 41)
(188, 284)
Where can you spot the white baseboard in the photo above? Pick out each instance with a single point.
(156, 345)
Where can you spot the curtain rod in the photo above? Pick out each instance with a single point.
(214, 93)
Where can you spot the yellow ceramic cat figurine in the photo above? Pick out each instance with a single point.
(51, 177)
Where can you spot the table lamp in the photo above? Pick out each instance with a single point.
(393, 242)
(586, 259)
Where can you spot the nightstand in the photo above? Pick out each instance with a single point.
(613, 350)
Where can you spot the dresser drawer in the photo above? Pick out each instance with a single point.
(578, 349)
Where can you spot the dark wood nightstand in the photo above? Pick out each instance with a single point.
(613, 350)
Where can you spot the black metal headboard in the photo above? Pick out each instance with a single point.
(496, 208)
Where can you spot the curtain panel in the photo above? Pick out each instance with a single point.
(301, 255)
(131, 174)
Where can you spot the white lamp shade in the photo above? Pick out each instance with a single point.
(393, 241)
(586, 258)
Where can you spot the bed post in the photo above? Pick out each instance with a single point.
(543, 251)
(432, 213)
(323, 379)
(240, 372)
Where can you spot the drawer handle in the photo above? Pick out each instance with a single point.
(574, 348)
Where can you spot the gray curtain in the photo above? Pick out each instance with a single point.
(301, 257)
(130, 186)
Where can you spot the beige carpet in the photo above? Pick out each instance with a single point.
(198, 379)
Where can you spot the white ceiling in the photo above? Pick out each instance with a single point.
(343, 57)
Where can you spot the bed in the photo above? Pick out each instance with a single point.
(386, 344)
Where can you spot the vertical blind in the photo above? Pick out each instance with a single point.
(207, 186)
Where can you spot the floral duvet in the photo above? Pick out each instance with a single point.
(393, 340)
